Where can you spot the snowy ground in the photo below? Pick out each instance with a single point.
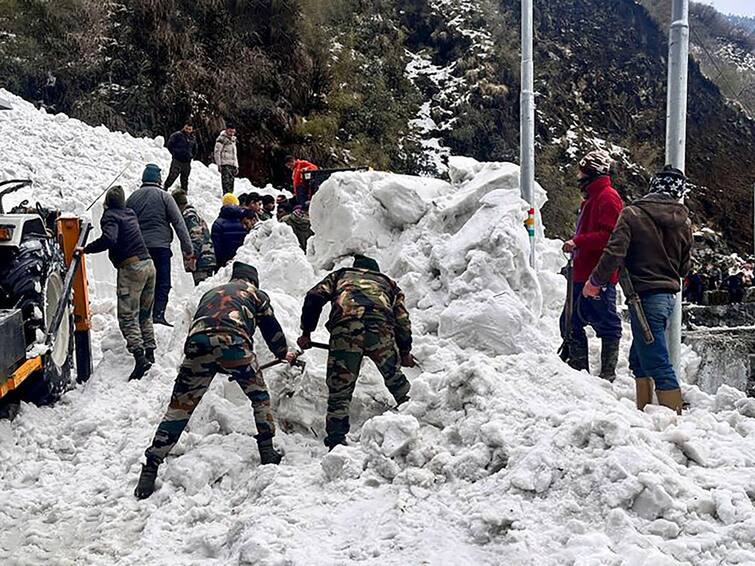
(503, 456)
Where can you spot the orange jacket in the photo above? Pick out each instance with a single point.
(299, 167)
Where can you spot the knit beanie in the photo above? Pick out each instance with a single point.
(152, 174)
(180, 197)
(229, 199)
(669, 182)
(115, 198)
(364, 262)
(596, 163)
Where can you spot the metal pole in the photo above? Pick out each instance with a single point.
(676, 132)
(527, 125)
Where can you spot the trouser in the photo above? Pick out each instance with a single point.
(350, 341)
(206, 355)
(200, 275)
(652, 360)
(178, 168)
(227, 177)
(599, 313)
(136, 293)
(161, 257)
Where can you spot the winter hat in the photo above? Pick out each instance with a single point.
(115, 198)
(152, 174)
(180, 198)
(364, 262)
(229, 199)
(669, 182)
(246, 272)
(597, 162)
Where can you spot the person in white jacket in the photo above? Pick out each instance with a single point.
(226, 157)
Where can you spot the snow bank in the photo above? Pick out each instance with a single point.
(502, 456)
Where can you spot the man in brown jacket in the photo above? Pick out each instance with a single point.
(652, 239)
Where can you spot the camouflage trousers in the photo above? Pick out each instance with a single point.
(136, 294)
(200, 275)
(350, 341)
(227, 177)
(206, 355)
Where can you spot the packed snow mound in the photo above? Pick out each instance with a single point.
(503, 455)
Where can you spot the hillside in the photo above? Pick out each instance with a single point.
(398, 85)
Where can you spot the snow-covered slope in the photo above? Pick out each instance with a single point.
(503, 455)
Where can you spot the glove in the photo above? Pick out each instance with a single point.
(407, 361)
(304, 342)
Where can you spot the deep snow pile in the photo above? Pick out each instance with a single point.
(503, 455)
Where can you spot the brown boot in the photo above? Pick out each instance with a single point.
(671, 399)
(644, 388)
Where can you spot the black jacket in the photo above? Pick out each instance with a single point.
(183, 148)
(121, 236)
(228, 234)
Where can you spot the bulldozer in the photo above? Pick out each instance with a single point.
(45, 319)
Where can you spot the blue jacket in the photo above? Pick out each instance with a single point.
(228, 234)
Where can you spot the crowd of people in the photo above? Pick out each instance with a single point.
(719, 283)
(644, 246)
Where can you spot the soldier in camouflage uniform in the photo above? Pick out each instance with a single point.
(203, 264)
(298, 219)
(368, 317)
(220, 341)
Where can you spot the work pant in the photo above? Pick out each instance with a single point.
(652, 360)
(136, 293)
(161, 257)
(599, 313)
(205, 356)
(350, 341)
(227, 177)
(178, 168)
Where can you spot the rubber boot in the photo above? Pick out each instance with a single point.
(671, 398)
(644, 387)
(141, 365)
(149, 353)
(268, 453)
(159, 318)
(578, 356)
(609, 357)
(146, 484)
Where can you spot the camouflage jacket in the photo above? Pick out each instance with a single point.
(238, 307)
(264, 215)
(200, 239)
(359, 294)
(300, 224)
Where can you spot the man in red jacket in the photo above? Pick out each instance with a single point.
(302, 191)
(597, 218)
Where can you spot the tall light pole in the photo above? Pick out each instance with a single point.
(527, 125)
(676, 132)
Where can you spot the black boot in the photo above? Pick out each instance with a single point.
(146, 484)
(337, 430)
(609, 357)
(268, 453)
(141, 365)
(149, 353)
(159, 318)
(578, 353)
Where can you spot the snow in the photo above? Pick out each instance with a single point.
(503, 455)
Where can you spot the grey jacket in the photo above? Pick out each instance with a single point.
(225, 150)
(156, 211)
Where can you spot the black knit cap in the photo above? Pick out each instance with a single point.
(115, 198)
(245, 271)
(364, 262)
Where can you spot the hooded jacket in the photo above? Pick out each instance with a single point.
(597, 219)
(228, 233)
(225, 150)
(157, 211)
(121, 236)
(652, 239)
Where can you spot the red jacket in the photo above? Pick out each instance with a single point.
(597, 219)
(299, 167)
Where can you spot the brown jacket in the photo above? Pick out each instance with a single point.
(652, 239)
